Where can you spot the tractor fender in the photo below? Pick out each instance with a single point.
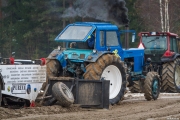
(2, 82)
(170, 58)
(54, 54)
(94, 56)
(61, 59)
(59, 56)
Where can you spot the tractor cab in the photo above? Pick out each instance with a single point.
(159, 46)
(77, 36)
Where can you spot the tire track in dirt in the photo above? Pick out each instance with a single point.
(153, 110)
(129, 109)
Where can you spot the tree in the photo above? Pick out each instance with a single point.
(30, 26)
(148, 10)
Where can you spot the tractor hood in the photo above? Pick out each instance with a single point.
(76, 54)
(75, 32)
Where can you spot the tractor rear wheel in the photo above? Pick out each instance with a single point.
(52, 68)
(0, 94)
(151, 86)
(109, 67)
(136, 88)
(171, 77)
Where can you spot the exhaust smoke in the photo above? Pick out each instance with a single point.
(104, 10)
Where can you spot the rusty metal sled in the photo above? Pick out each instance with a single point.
(87, 93)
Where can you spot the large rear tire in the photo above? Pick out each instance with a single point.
(171, 77)
(110, 68)
(151, 86)
(0, 93)
(63, 94)
(136, 88)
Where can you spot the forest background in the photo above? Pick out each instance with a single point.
(28, 27)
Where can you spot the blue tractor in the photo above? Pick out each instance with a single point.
(94, 52)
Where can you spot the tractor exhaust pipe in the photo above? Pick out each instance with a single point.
(127, 37)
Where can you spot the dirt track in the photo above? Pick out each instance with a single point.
(134, 107)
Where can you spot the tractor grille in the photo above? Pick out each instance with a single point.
(154, 54)
(74, 56)
(154, 57)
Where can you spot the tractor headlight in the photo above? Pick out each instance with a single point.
(59, 47)
(94, 51)
(148, 60)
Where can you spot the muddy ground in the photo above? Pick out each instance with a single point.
(134, 107)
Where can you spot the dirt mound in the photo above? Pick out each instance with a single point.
(6, 113)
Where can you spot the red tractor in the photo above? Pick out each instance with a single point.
(162, 54)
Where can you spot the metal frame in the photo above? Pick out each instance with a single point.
(87, 93)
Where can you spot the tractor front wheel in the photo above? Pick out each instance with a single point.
(109, 67)
(151, 86)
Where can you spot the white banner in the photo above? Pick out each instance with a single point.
(23, 73)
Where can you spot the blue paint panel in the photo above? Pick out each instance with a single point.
(62, 60)
(138, 55)
(138, 63)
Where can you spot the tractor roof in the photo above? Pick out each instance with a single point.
(101, 25)
(157, 33)
(80, 31)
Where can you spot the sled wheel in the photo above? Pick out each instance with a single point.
(151, 86)
(109, 67)
(171, 77)
(63, 94)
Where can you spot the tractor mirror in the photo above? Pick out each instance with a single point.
(13, 54)
(133, 37)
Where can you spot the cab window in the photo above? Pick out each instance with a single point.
(111, 38)
(173, 44)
